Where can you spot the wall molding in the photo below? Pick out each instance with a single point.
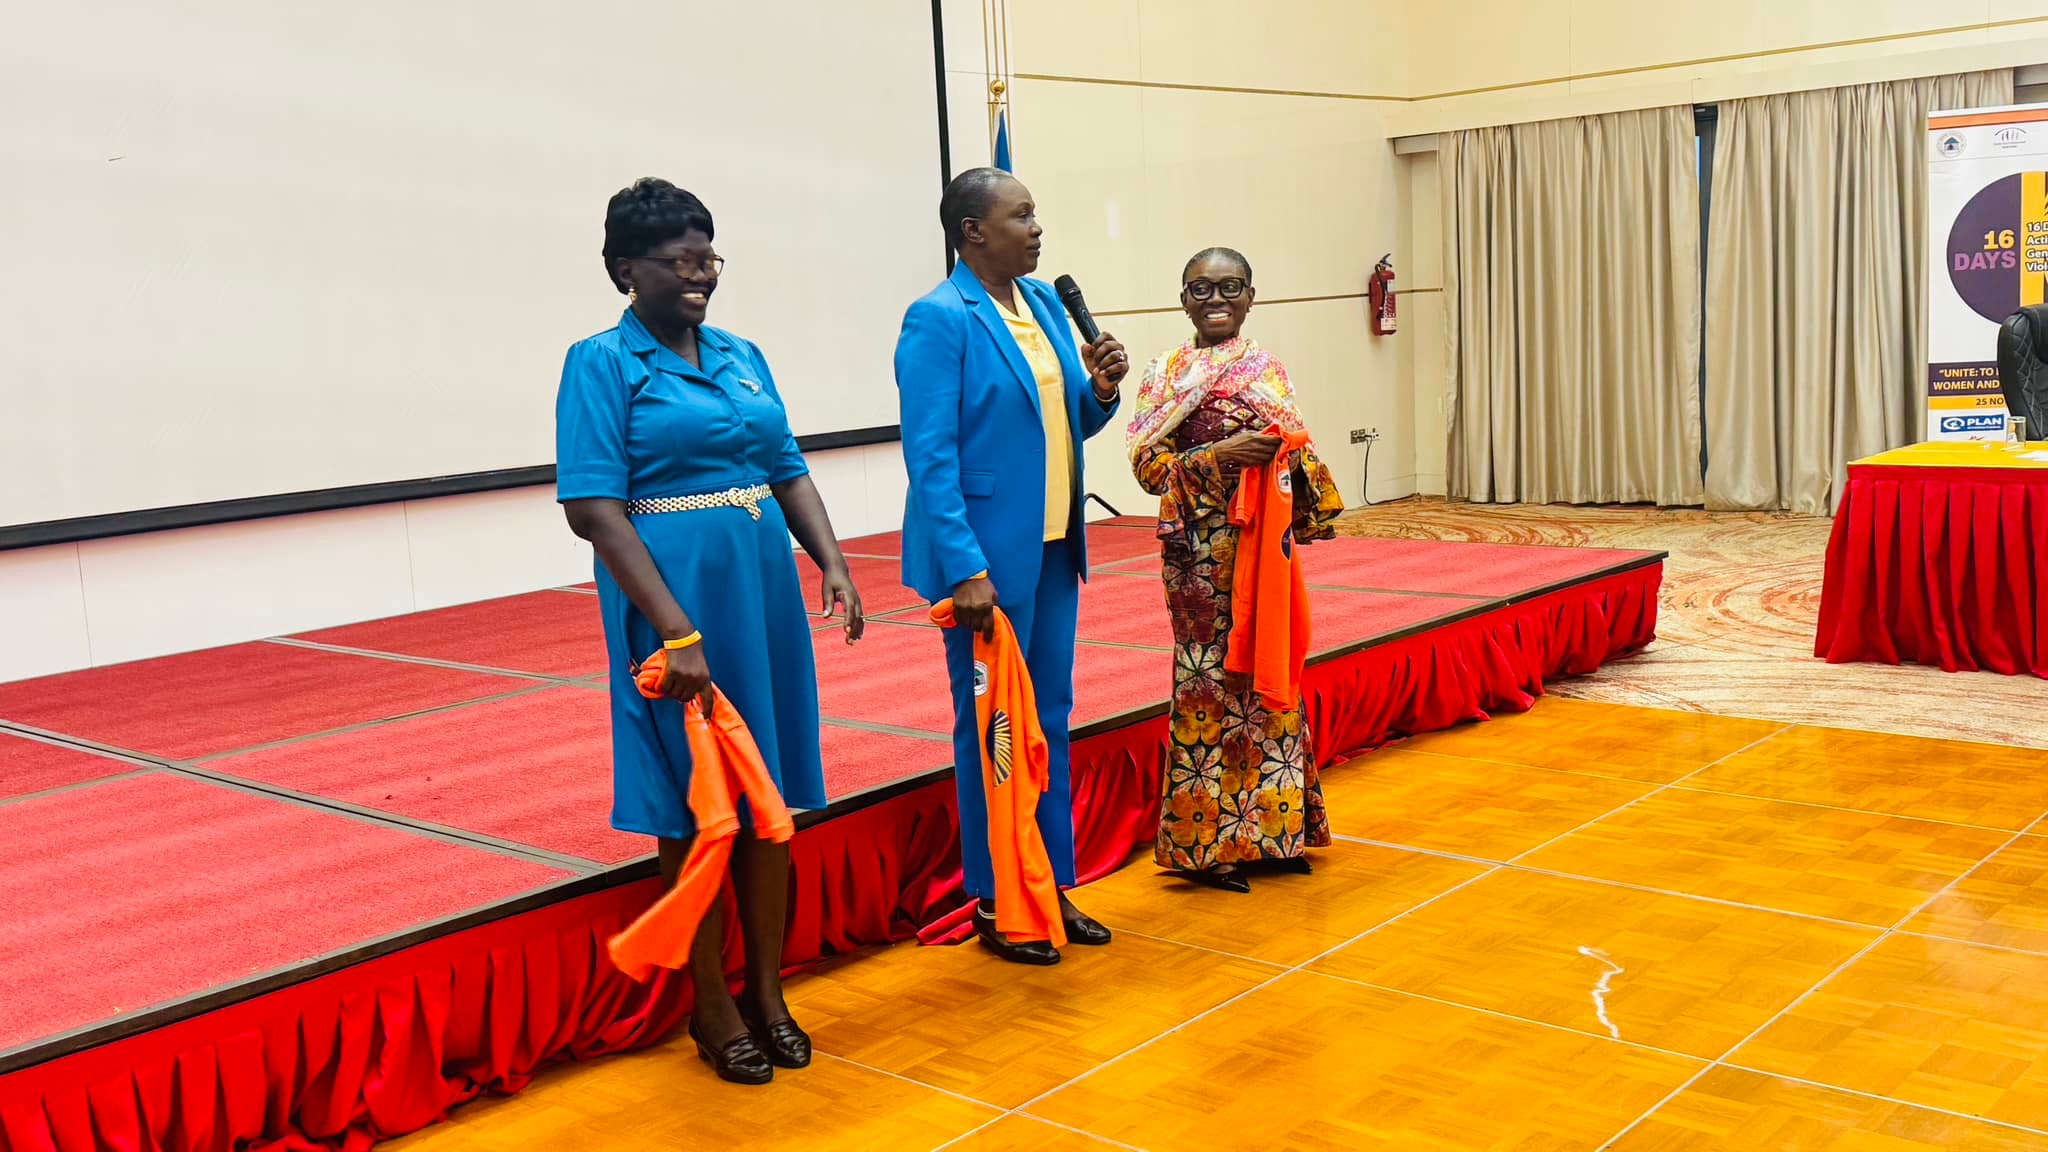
(82, 528)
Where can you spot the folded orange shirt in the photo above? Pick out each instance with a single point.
(724, 761)
(1269, 616)
(1014, 774)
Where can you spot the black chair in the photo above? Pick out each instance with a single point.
(2023, 367)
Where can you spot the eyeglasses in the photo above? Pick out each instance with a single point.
(1230, 288)
(686, 266)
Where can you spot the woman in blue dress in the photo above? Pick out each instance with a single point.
(675, 461)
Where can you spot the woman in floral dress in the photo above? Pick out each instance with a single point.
(1241, 785)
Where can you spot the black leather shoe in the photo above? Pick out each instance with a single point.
(1232, 881)
(1085, 930)
(739, 1062)
(1294, 865)
(787, 1045)
(1036, 952)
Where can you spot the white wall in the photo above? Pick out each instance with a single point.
(107, 601)
(1173, 125)
(1481, 62)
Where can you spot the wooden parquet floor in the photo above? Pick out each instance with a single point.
(1593, 926)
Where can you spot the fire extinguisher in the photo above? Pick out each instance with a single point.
(1382, 296)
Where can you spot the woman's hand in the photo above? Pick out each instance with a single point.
(1247, 450)
(837, 592)
(974, 606)
(689, 677)
(1107, 365)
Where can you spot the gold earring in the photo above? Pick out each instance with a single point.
(632, 295)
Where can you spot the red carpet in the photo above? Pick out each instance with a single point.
(227, 698)
(136, 891)
(880, 583)
(1111, 681)
(191, 884)
(32, 766)
(547, 633)
(897, 677)
(856, 759)
(534, 770)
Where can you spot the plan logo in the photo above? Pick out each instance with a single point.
(1992, 422)
(1950, 145)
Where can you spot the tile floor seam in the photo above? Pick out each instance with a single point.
(1500, 1015)
(1654, 791)
(1806, 1083)
(1700, 791)
(2012, 948)
(1121, 931)
(1498, 762)
(1803, 997)
(1254, 989)
(1647, 889)
(905, 1079)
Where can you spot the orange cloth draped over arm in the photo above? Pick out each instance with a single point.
(1269, 614)
(1014, 774)
(724, 763)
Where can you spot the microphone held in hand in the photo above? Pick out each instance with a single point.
(1070, 295)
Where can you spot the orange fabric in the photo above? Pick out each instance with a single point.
(1267, 587)
(724, 761)
(1014, 774)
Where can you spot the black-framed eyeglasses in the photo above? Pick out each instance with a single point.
(687, 266)
(1230, 288)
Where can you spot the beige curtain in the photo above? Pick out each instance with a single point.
(1571, 285)
(1816, 331)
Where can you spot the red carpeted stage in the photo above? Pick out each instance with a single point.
(315, 891)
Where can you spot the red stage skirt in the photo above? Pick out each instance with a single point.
(391, 1045)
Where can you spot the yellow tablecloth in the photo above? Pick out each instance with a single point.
(1964, 454)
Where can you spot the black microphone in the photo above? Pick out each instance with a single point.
(1070, 295)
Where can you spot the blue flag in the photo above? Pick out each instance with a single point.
(1002, 126)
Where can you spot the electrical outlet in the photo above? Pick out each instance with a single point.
(1364, 435)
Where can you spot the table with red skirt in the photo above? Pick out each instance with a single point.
(1939, 556)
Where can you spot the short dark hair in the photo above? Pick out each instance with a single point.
(645, 215)
(1230, 254)
(969, 196)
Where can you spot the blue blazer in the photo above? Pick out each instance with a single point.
(973, 442)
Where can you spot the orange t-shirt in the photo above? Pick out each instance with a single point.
(723, 761)
(1014, 774)
(1269, 615)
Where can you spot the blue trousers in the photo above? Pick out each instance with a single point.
(1044, 619)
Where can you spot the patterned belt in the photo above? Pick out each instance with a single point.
(748, 498)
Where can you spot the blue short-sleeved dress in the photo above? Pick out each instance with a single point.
(634, 421)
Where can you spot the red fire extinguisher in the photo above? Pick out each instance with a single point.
(1381, 293)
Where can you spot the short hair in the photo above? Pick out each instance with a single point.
(645, 215)
(1230, 254)
(968, 196)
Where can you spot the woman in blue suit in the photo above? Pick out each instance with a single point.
(996, 400)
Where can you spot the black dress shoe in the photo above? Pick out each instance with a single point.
(1293, 865)
(1085, 930)
(787, 1045)
(1232, 881)
(1036, 952)
(739, 1062)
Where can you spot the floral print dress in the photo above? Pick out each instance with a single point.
(1241, 782)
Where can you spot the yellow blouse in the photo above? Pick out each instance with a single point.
(1052, 405)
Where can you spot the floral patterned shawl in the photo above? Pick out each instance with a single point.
(1177, 383)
